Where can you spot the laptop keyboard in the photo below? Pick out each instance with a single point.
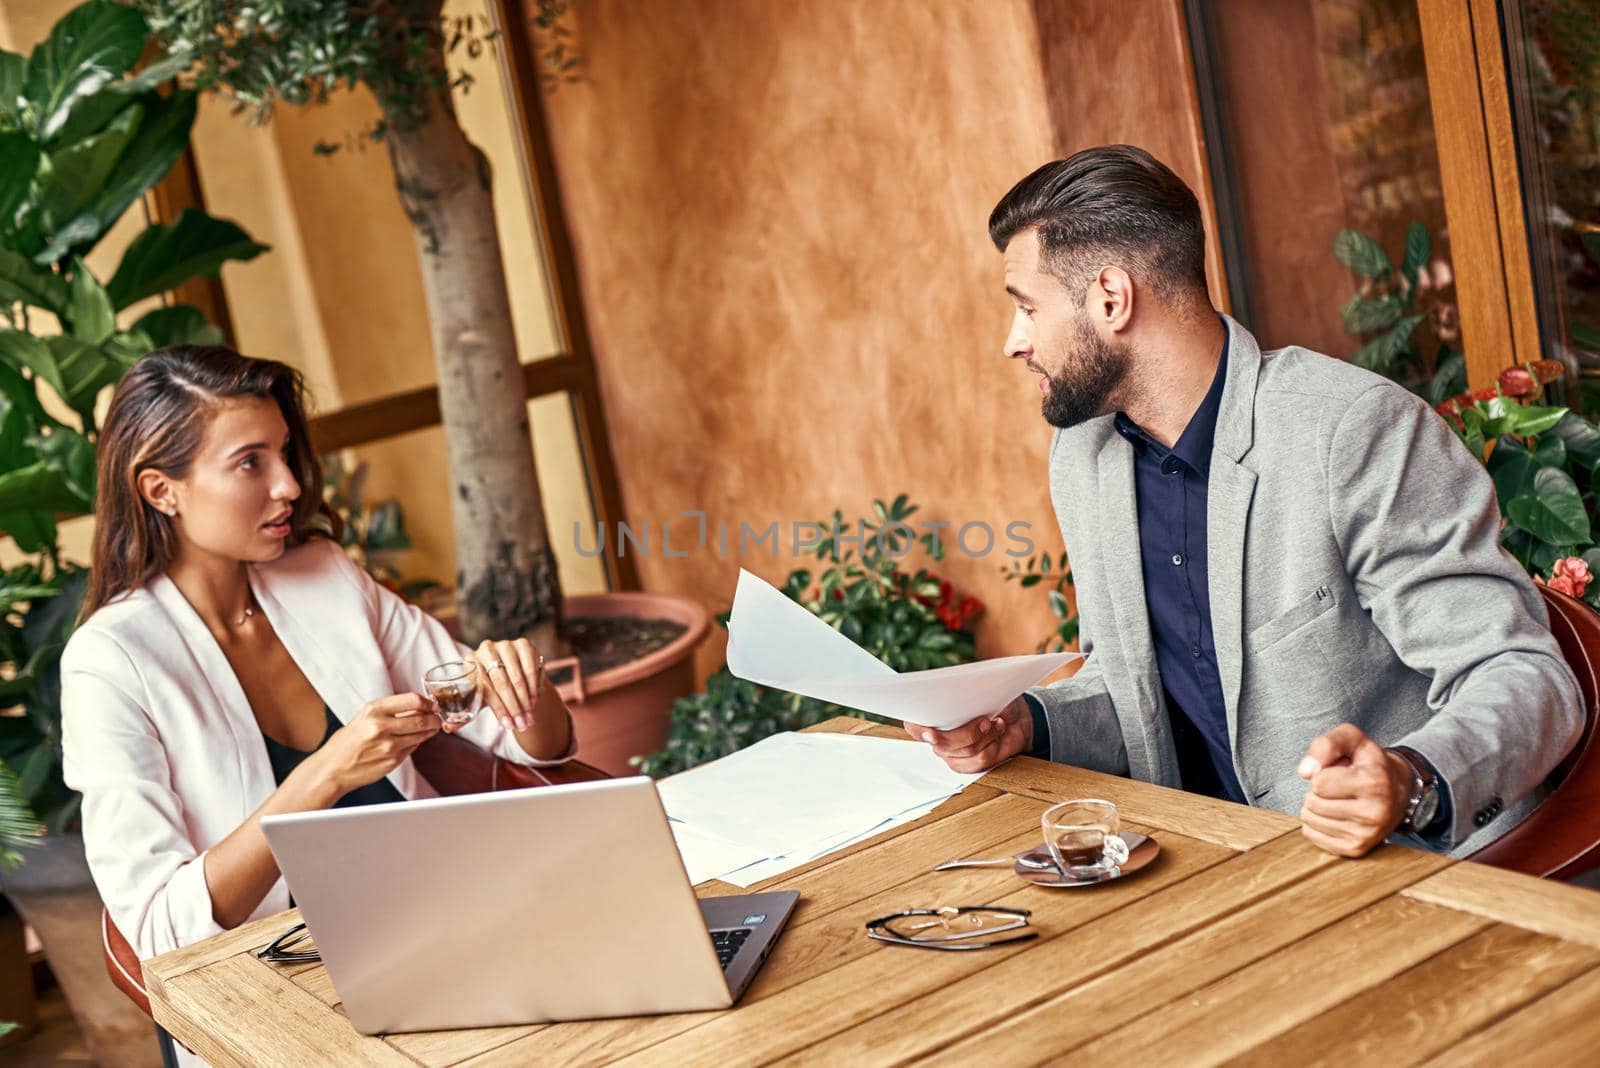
(728, 943)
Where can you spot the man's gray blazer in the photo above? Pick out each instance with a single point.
(1356, 576)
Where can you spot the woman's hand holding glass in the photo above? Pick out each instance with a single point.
(376, 740)
(511, 680)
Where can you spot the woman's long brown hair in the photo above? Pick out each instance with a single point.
(157, 420)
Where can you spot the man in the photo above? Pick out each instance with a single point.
(1290, 585)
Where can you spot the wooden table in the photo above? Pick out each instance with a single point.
(1241, 943)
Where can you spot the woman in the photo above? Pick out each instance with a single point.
(233, 665)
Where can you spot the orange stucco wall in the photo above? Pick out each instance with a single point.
(779, 217)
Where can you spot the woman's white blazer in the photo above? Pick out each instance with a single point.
(159, 738)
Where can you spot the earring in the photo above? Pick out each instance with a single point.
(171, 511)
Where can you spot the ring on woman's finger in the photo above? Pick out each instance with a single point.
(495, 666)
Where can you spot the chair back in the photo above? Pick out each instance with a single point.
(452, 765)
(1561, 838)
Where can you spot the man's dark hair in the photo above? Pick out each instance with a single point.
(1113, 204)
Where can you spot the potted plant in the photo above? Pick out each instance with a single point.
(1391, 303)
(81, 140)
(910, 620)
(278, 52)
(1544, 461)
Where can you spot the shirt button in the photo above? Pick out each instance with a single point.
(1177, 559)
(1170, 466)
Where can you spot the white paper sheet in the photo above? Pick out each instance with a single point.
(751, 874)
(705, 856)
(776, 642)
(791, 794)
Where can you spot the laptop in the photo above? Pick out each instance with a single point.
(561, 903)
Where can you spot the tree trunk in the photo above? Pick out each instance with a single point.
(506, 582)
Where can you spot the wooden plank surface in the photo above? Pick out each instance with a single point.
(1235, 945)
(1087, 984)
(1427, 1009)
(1225, 1018)
(1555, 909)
(1109, 925)
(239, 1011)
(1563, 1027)
(246, 938)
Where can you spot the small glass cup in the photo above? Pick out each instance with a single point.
(1082, 838)
(453, 685)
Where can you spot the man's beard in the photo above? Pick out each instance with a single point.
(1080, 391)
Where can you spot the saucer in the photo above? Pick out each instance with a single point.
(1142, 849)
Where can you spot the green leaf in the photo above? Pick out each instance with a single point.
(161, 138)
(72, 177)
(1581, 438)
(1418, 248)
(1362, 316)
(179, 324)
(1361, 254)
(74, 456)
(91, 113)
(1449, 378)
(94, 44)
(1550, 452)
(79, 233)
(89, 314)
(1544, 556)
(1530, 419)
(1380, 353)
(85, 370)
(1552, 510)
(40, 486)
(164, 257)
(19, 829)
(34, 532)
(1512, 467)
(24, 350)
(31, 284)
(19, 159)
(13, 73)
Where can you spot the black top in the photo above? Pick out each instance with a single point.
(285, 759)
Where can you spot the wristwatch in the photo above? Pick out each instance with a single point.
(1422, 810)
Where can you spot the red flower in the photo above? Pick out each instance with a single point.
(1485, 394)
(1571, 576)
(1518, 382)
(1451, 410)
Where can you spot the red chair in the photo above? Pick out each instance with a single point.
(452, 765)
(1561, 838)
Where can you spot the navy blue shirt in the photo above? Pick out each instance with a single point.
(1171, 488)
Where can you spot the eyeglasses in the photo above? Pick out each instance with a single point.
(953, 928)
(281, 949)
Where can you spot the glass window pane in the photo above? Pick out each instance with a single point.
(1323, 127)
(1553, 51)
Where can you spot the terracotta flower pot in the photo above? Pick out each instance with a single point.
(624, 711)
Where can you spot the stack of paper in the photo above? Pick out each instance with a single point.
(795, 797)
(791, 798)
